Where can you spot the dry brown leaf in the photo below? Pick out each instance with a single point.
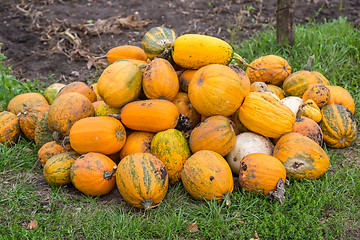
(32, 224)
(193, 227)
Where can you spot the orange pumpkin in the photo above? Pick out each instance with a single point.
(29, 117)
(185, 78)
(137, 141)
(79, 87)
(184, 107)
(93, 174)
(309, 128)
(16, 104)
(319, 93)
(9, 128)
(340, 95)
(125, 52)
(48, 150)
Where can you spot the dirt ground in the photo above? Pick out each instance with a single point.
(66, 40)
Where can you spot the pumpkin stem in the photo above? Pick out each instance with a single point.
(117, 116)
(108, 175)
(299, 113)
(308, 64)
(183, 124)
(226, 197)
(65, 141)
(56, 136)
(279, 193)
(238, 58)
(147, 203)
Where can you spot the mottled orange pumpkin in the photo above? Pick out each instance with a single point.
(142, 180)
(29, 116)
(17, 103)
(104, 109)
(93, 174)
(185, 107)
(9, 128)
(206, 176)
(261, 172)
(48, 150)
(79, 87)
(153, 115)
(172, 148)
(185, 78)
(340, 95)
(215, 133)
(125, 52)
(319, 93)
(275, 70)
(137, 141)
(301, 156)
(309, 128)
(216, 89)
(103, 134)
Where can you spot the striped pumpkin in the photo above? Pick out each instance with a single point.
(158, 40)
(29, 117)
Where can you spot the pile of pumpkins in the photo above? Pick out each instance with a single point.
(176, 110)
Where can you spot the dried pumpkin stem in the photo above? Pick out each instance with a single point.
(238, 58)
(65, 141)
(309, 62)
(147, 203)
(117, 116)
(108, 175)
(299, 113)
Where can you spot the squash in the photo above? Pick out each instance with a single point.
(185, 107)
(292, 102)
(311, 110)
(93, 174)
(272, 70)
(301, 156)
(66, 110)
(340, 95)
(309, 128)
(141, 64)
(57, 169)
(239, 125)
(185, 78)
(48, 150)
(319, 93)
(217, 90)
(79, 87)
(142, 180)
(94, 88)
(158, 41)
(338, 125)
(262, 113)
(207, 176)
(51, 91)
(125, 52)
(261, 172)
(277, 90)
(9, 128)
(215, 133)
(160, 80)
(137, 141)
(103, 134)
(245, 144)
(43, 134)
(28, 118)
(104, 109)
(17, 103)
(171, 147)
(119, 83)
(242, 74)
(259, 87)
(153, 115)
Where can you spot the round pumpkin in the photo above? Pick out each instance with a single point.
(216, 89)
(93, 174)
(277, 90)
(172, 149)
(28, 118)
(51, 91)
(104, 109)
(137, 141)
(17, 103)
(185, 78)
(48, 150)
(185, 107)
(79, 87)
(125, 52)
(338, 125)
(309, 128)
(301, 156)
(319, 93)
(9, 128)
(207, 176)
(261, 172)
(341, 96)
(142, 180)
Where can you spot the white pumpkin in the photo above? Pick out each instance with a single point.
(246, 143)
(292, 102)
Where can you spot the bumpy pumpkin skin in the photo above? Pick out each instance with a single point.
(43, 134)
(66, 110)
(206, 176)
(16, 104)
(9, 128)
(319, 93)
(339, 95)
(79, 87)
(57, 168)
(103, 134)
(215, 133)
(277, 70)
(172, 149)
(93, 174)
(51, 91)
(338, 125)
(142, 180)
(309, 128)
(119, 83)
(259, 171)
(217, 90)
(301, 156)
(264, 114)
(48, 150)
(310, 110)
(158, 40)
(160, 80)
(185, 107)
(153, 115)
(185, 78)
(104, 109)
(137, 141)
(29, 117)
(125, 52)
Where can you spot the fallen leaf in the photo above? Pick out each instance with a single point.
(32, 224)
(193, 227)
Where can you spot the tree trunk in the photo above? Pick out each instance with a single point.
(285, 22)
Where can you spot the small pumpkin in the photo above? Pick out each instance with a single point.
(319, 93)
(340, 95)
(185, 107)
(93, 174)
(125, 52)
(137, 141)
(309, 128)
(277, 90)
(185, 78)
(51, 91)
(29, 116)
(338, 125)
(207, 176)
(9, 128)
(48, 150)
(311, 110)
(142, 180)
(17, 103)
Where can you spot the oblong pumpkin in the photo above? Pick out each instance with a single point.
(206, 176)
(158, 40)
(142, 180)
(43, 133)
(301, 156)
(172, 149)
(340, 95)
(137, 141)
(125, 52)
(16, 104)
(79, 87)
(338, 125)
(93, 174)
(153, 115)
(9, 128)
(102, 134)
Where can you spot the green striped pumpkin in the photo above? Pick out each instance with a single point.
(158, 40)
(338, 125)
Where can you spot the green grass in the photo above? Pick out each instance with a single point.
(327, 208)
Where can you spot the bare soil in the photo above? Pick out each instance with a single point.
(66, 40)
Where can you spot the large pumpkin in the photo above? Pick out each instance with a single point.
(217, 90)
(9, 128)
(17, 103)
(93, 174)
(137, 141)
(338, 125)
(103, 134)
(341, 96)
(172, 149)
(79, 87)
(264, 114)
(142, 180)
(301, 156)
(207, 176)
